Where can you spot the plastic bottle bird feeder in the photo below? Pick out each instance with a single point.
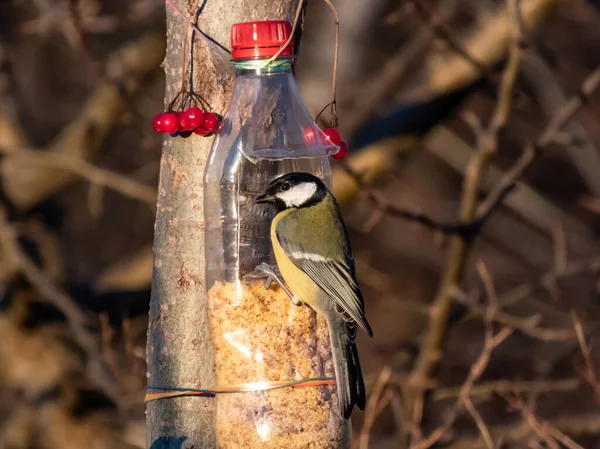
(261, 339)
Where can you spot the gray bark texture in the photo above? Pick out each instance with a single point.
(179, 351)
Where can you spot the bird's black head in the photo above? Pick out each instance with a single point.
(294, 190)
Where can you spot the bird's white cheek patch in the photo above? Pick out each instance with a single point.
(298, 195)
(308, 256)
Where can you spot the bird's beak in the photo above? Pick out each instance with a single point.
(264, 198)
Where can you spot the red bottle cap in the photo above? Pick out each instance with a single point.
(251, 40)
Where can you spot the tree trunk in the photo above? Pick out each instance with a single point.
(180, 352)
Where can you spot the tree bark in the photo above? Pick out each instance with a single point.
(180, 351)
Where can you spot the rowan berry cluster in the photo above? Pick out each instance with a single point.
(190, 120)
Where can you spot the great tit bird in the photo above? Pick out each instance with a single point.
(314, 258)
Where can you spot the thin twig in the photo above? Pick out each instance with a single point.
(528, 325)
(590, 376)
(564, 439)
(334, 119)
(198, 30)
(485, 433)
(582, 423)
(534, 444)
(488, 389)
(526, 289)
(541, 429)
(578, 146)
(183, 66)
(491, 342)
(560, 248)
(290, 39)
(547, 432)
(488, 283)
(532, 151)
(559, 242)
(384, 206)
(372, 403)
(398, 412)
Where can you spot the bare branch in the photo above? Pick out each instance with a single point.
(430, 353)
(550, 434)
(383, 206)
(13, 254)
(579, 147)
(541, 429)
(526, 289)
(371, 409)
(394, 72)
(491, 342)
(586, 423)
(488, 389)
(95, 175)
(556, 125)
(591, 376)
(485, 433)
(26, 185)
(528, 325)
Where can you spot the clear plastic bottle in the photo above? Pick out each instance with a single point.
(258, 335)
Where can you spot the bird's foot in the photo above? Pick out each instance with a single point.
(271, 274)
(265, 271)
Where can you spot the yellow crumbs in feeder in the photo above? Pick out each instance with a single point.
(259, 335)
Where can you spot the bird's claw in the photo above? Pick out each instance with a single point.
(263, 271)
(268, 282)
(271, 274)
(266, 272)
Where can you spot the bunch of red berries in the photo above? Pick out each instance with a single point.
(184, 123)
(334, 137)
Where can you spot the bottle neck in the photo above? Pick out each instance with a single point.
(266, 118)
(259, 67)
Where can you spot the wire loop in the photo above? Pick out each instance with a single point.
(176, 392)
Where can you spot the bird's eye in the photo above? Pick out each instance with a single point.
(285, 186)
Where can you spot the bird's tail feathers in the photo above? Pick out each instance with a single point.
(348, 374)
(359, 381)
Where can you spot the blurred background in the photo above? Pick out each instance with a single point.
(417, 92)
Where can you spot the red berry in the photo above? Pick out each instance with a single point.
(310, 135)
(341, 154)
(191, 119)
(157, 123)
(333, 135)
(211, 123)
(170, 122)
(201, 131)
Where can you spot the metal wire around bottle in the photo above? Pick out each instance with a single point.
(262, 64)
(176, 392)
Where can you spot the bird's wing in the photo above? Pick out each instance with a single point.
(335, 276)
